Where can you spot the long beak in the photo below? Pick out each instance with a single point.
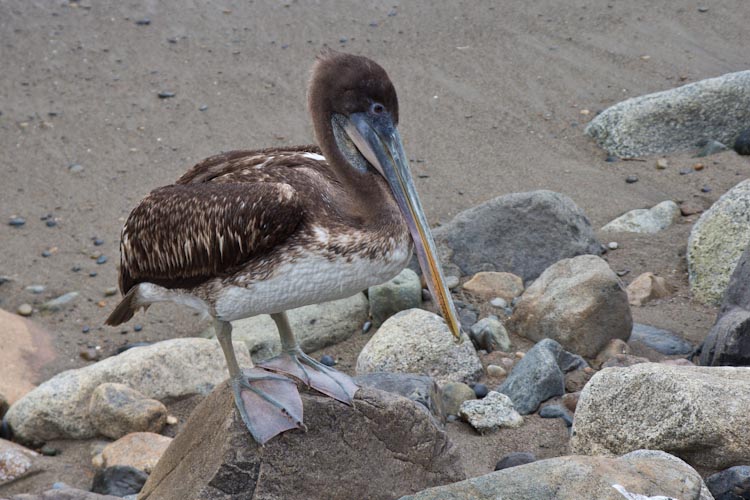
(378, 140)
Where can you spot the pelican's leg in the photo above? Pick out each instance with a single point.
(295, 363)
(269, 404)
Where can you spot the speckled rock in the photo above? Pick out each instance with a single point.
(315, 326)
(454, 394)
(643, 472)
(400, 293)
(171, 369)
(696, 413)
(418, 388)
(490, 334)
(418, 341)
(676, 119)
(15, 461)
(646, 288)
(716, 243)
(519, 233)
(578, 302)
(730, 484)
(117, 410)
(381, 447)
(488, 285)
(140, 450)
(646, 220)
(490, 413)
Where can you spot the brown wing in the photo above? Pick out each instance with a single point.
(182, 235)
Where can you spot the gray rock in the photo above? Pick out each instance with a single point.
(646, 220)
(520, 233)
(514, 460)
(579, 302)
(490, 413)
(728, 342)
(64, 494)
(400, 293)
(536, 378)
(730, 484)
(418, 341)
(118, 481)
(382, 447)
(659, 340)
(116, 410)
(59, 303)
(696, 413)
(15, 461)
(556, 411)
(315, 327)
(710, 148)
(172, 369)
(576, 477)
(742, 143)
(419, 388)
(490, 334)
(717, 242)
(675, 119)
(737, 293)
(454, 394)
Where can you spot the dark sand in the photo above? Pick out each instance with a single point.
(491, 97)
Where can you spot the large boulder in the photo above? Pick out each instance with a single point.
(381, 447)
(418, 341)
(646, 220)
(696, 413)
(676, 119)
(640, 474)
(716, 243)
(519, 233)
(172, 369)
(315, 326)
(578, 302)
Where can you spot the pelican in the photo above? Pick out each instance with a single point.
(260, 232)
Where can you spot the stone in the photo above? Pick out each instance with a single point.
(487, 285)
(646, 288)
(643, 220)
(662, 341)
(119, 481)
(556, 411)
(737, 293)
(418, 388)
(570, 401)
(496, 371)
(624, 361)
(742, 143)
(520, 233)
(489, 334)
(536, 378)
(59, 303)
(728, 342)
(730, 484)
(315, 327)
(576, 380)
(418, 341)
(167, 370)
(644, 473)
(382, 447)
(515, 459)
(613, 348)
(140, 450)
(696, 413)
(675, 119)
(691, 208)
(25, 310)
(15, 461)
(117, 410)
(400, 293)
(710, 147)
(27, 348)
(717, 242)
(454, 394)
(491, 413)
(64, 493)
(578, 302)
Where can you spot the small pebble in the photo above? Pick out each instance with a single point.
(25, 310)
(685, 171)
(343, 39)
(480, 390)
(203, 108)
(35, 289)
(101, 260)
(143, 22)
(520, 354)
(124, 331)
(75, 268)
(451, 282)
(613, 245)
(49, 451)
(631, 179)
(499, 302)
(366, 327)
(496, 371)
(110, 291)
(171, 420)
(705, 189)
(126, 347)
(327, 360)
(662, 163)
(46, 253)
(698, 167)
(17, 221)
(89, 354)
(622, 272)
(611, 159)
(75, 168)
(92, 274)
(166, 94)
(98, 242)
(85, 329)
(702, 9)
(50, 222)
(137, 327)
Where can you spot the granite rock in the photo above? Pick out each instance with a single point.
(398, 294)
(117, 410)
(646, 220)
(418, 388)
(490, 413)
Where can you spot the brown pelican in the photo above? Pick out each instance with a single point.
(260, 232)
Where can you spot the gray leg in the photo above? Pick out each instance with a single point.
(224, 334)
(288, 341)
